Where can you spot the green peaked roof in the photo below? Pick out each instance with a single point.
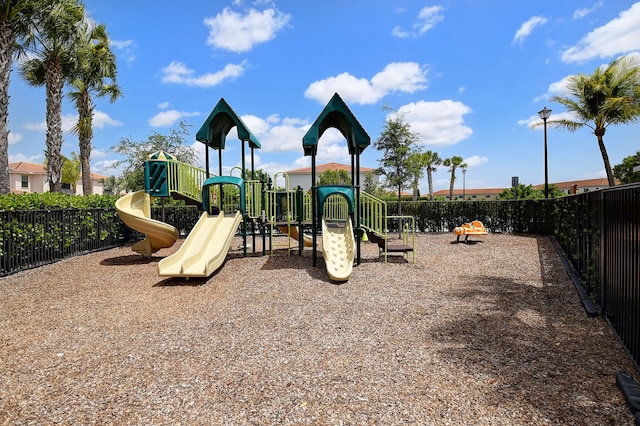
(337, 115)
(222, 119)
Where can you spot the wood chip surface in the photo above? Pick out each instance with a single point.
(486, 333)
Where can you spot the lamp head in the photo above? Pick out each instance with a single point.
(544, 113)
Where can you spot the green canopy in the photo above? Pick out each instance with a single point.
(222, 119)
(337, 115)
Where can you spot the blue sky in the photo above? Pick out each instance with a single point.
(469, 76)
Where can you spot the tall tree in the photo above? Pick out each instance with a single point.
(396, 143)
(94, 71)
(611, 95)
(58, 26)
(432, 161)
(416, 161)
(453, 163)
(624, 171)
(16, 24)
(334, 177)
(135, 153)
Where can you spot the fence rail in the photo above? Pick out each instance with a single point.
(599, 232)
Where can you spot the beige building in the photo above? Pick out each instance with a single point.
(302, 177)
(571, 187)
(30, 177)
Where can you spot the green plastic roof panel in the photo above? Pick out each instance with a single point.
(222, 119)
(337, 115)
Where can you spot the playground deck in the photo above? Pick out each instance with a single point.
(103, 339)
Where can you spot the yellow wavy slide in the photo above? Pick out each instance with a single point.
(135, 211)
(338, 249)
(205, 248)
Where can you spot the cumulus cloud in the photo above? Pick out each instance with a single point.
(178, 73)
(100, 121)
(438, 123)
(236, 32)
(16, 158)
(527, 28)
(169, 117)
(14, 138)
(407, 77)
(276, 134)
(428, 17)
(618, 36)
(475, 160)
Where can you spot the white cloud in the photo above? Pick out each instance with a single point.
(581, 13)
(235, 32)
(428, 17)
(68, 121)
(15, 158)
(163, 105)
(102, 119)
(534, 122)
(399, 32)
(98, 153)
(178, 73)
(527, 28)
(276, 135)
(620, 35)
(169, 117)
(475, 160)
(14, 138)
(407, 77)
(124, 50)
(438, 123)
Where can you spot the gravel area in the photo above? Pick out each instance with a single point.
(486, 333)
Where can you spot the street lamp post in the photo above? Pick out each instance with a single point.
(545, 113)
(464, 183)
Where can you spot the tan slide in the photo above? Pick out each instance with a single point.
(205, 248)
(135, 211)
(338, 249)
(292, 231)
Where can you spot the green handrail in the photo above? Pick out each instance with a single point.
(186, 179)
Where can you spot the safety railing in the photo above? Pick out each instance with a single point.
(186, 179)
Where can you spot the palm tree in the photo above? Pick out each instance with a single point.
(15, 25)
(453, 163)
(94, 71)
(431, 161)
(611, 95)
(58, 25)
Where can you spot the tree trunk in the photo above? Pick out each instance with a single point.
(53, 84)
(605, 158)
(453, 178)
(7, 43)
(430, 180)
(85, 132)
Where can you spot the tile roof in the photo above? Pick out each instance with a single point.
(33, 168)
(328, 166)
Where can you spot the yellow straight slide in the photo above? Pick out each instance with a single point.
(205, 248)
(135, 211)
(338, 249)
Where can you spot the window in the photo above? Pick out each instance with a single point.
(25, 181)
(66, 185)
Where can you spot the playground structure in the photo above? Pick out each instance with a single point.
(253, 206)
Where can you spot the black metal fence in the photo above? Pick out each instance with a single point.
(31, 238)
(619, 264)
(599, 232)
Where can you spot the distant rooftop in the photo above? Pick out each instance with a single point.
(33, 168)
(320, 168)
